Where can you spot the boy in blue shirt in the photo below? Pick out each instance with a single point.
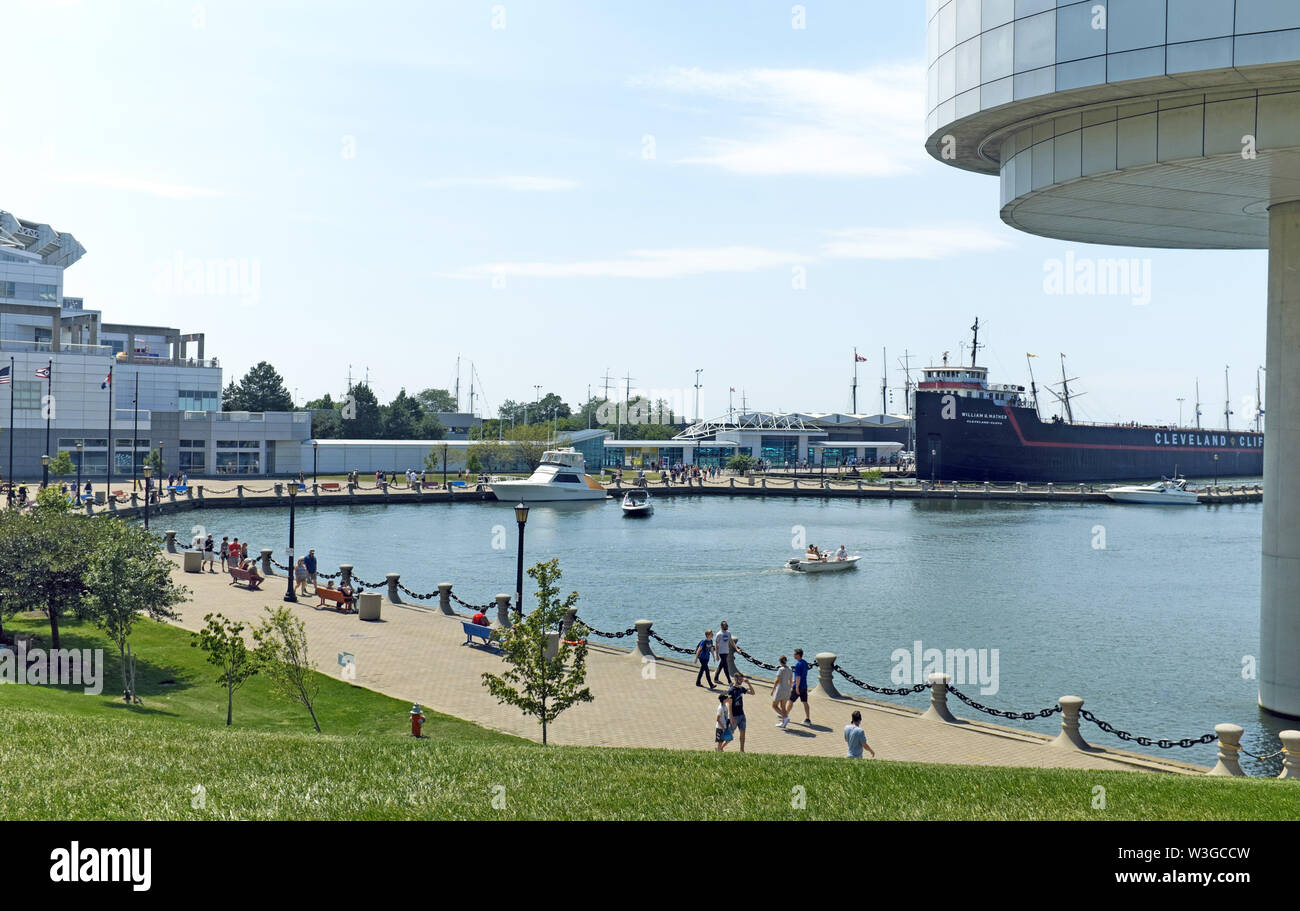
(800, 688)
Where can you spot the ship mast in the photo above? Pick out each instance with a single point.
(1227, 402)
(884, 409)
(975, 343)
(1033, 387)
(909, 398)
(1198, 404)
(1065, 395)
(1259, 403)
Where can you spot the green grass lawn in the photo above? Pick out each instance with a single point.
(65, 755)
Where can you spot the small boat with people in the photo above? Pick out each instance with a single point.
(816, 561)
(1165, 492)
(636, 503)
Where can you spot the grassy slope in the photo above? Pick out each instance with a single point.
(66, 755)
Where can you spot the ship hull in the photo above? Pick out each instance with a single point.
(970, 439)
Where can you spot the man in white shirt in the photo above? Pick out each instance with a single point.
(722, 642)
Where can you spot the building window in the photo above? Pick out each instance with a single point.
(47, 292)
(193, 462)
(780, 450)
(8, 289)
(27, 395)
(239, 457)
(197, 400)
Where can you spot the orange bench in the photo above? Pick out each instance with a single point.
(329, 485)
(345, 603)
(248, 576)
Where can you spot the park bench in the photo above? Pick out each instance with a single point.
(336, 597)
(330, 485)
(247, 576)
(474, 631)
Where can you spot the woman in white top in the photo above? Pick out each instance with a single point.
(781, 693)
(722, 728)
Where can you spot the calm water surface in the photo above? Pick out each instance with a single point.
(1150, 629)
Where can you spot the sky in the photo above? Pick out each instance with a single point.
(560, 191)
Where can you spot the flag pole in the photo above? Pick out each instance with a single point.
(49, 395)
(108, 482)
(135, 429)
(855, 380)
(10, 497)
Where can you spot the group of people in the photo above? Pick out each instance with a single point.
(412, 476)
(789, 689)
(816, 555)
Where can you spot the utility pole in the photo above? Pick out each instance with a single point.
(884, 407)
(622, 408)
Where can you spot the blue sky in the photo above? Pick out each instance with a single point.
(593, 185)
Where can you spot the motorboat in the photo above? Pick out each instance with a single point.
(560, 476)
(637, 503)
(1165, 492)
(828, 565)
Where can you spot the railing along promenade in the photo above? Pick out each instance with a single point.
(1070, 708)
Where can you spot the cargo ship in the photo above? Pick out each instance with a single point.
(968, 429)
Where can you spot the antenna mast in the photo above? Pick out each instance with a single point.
(975, 343)
(1033, 387)
(1259, 403)
(884, 408)
(1227, 402)
(1198, 404)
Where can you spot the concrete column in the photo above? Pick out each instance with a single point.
(826, 674)
(200, 493)
(1229, 750)
(1279, 610)
(503, 610)
(266, 563)
(239, 491)
(1070, 738)
(1291, 756)
(642, 649)
(345, 574)
(569, 616)
(393, 594)
(169, 541)
(444, 598)
(552, 646)
(938, 710)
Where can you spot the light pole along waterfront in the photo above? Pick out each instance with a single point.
(521, 516)
(293, 497)
(1140, 124)
(147, 470)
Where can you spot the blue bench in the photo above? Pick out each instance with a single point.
(474, 631)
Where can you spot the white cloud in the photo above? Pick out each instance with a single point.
(667, 263)
(522, 184)
(939, 242)
(868, 123)
(140, 185)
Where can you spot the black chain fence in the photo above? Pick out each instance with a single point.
(883, 690)
(1147, 741)
(463, 603)
(417, 596)
(1020, 716)
(666, 644)
(630, 631)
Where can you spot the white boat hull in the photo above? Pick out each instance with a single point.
(817, 566)
(634, 511)
(545, 493)
(1155, 498)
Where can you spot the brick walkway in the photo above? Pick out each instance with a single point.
(415, 654)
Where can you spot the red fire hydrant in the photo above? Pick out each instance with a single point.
(417, 720)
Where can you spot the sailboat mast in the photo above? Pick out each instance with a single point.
(1227, 402)
(1198, 404)
(1259, 403)
(855, 380)
(1065, 393)
(1033, 387)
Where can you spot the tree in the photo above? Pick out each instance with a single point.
(43, 563)
(127, 576)
(433, 401)
(489, 454)
(223, 640)
(527, 443)
(742, 463)
(430, 428)
(546, 675)
(282, 657)
(261, 389)
(154, 461)
(61, 463)
(360, 413)
(326, 422)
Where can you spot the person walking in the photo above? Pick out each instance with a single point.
(722, 725)
(723, 646)
(781, 693)
(310, 561)
(736, 700)
(702, 653)
(856, 738)
(799, 692)
(225, 552)
(300, 575)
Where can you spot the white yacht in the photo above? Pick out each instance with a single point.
(1164, 492)
(560, 476)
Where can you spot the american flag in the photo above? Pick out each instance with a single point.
(43, 373)
(4, 376)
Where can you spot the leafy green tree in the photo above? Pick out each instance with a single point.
(546, 675)
(283, 659)
(261, 389)
(154, 461)
(433, 401)
(430, 428)
(527, 443)
(326, 421)
(61, 463)
(223, 640)
(360, 413)
(433, 462)
(127, 576)
(742, 462)
(489, 455)
(51, 499)
(43, 557)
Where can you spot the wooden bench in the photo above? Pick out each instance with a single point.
(474, 631)
(248, 576)
(343, 602)
(329, 485)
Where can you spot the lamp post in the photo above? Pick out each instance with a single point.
(933, 453)
(521, 516)
(288, 592)
(45, 471)
(444, 467)
(80, 449)
(314, 446)
(147, 470)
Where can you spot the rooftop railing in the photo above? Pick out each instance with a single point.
(159, 361)
(31, 346)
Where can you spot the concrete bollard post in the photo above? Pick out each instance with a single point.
(764, 485)
(315, 489)
(1051, 488)
(169, 541)
(1020, 487)
(1070, 738)
(552, 646)
(266, 563)
(859, 483)
(733, 483)
(112, 504)
(171, 495)
(393, 594)
(1229, 750)
(569, 616)
(200, 493)
(1291, 755)
(239, 491)
(135, 501)
(925, 487)
(444, 598)
(503, 611)
(794, 483)
(938, 710)
(826, 674)
(891, 486)
(345, 574)
(352, 488)
(642, 649)
(986, 488)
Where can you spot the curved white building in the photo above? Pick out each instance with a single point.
(1153, 123)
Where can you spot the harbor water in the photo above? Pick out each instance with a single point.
(1151, 614)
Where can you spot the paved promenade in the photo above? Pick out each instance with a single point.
(414, 653)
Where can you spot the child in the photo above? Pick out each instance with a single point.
(722, 731)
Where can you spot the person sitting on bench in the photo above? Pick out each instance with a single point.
(349, 599)
(480, 618)
(250, 567)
